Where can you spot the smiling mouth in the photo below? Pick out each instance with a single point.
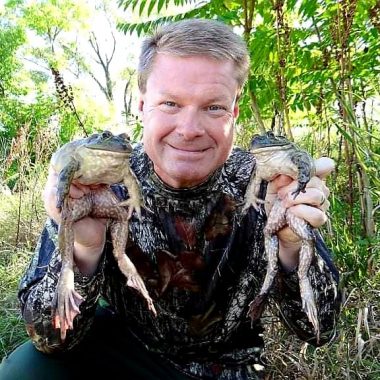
(188, 150)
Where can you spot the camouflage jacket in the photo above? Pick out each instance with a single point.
(202, 261)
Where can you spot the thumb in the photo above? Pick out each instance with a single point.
(324, 166)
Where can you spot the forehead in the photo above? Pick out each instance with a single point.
(188, 74)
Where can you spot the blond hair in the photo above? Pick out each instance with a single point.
(194, 37)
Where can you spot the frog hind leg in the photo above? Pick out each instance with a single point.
(256, 307)
(307, 295)
(304, 231)
(119, 235)
(67, 300)
(276, 221)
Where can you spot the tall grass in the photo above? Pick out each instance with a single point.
(353, 354)
(12, 264)
(17, 239)
(21, 218)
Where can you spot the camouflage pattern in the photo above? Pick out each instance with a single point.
(203, 262)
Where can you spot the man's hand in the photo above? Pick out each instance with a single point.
(89, 233)
(311, 206)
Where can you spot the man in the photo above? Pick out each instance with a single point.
(200, 256)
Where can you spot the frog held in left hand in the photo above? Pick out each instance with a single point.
(100, 159)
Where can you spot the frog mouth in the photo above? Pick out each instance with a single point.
(113, 149)
(270, 148)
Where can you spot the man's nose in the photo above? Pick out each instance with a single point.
(189, 124)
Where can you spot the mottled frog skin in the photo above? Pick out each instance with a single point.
(99, 159)
(276, 155)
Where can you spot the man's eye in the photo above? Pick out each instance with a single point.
(169, 103)
(215, 107)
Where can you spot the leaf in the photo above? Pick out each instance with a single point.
(151, 6)
(160, 4)
(142, 6)
(308, 8)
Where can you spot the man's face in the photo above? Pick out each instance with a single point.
(188, 112)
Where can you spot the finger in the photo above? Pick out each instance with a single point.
(315, 182)
(287, 235)
(313, 215)
(78, 191)
(324, 166)
(279, 182)
(313, 197)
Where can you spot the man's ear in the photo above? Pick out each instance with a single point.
(236, 111)
(141, 104)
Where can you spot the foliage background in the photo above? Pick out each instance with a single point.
(68, 68)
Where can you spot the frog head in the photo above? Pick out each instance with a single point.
(109, 142)
(268, 141)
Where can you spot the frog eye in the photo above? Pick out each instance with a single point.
(255, 137)
(106, 134)
(124, 136)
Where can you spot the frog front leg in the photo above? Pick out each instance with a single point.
(65, 177)
(251, 198)
(134, 203)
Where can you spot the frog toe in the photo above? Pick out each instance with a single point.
(65, 309)
(132, 206)
(136, 282)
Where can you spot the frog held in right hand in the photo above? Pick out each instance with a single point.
(276, 155)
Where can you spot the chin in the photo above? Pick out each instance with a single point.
(191, 180)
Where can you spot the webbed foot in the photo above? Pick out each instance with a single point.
(256, 307)
(66, 302)
(135, 281)
(253, 201)
(133, 204)
(309, 305)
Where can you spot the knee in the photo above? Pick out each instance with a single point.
(12, 366)
(26, 363)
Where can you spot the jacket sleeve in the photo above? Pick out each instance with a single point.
(324, 280)
(37, 291)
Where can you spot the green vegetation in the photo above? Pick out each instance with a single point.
(314, 77)
(16, 245)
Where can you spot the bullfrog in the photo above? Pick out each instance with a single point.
(276, 155)
(100, 159)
